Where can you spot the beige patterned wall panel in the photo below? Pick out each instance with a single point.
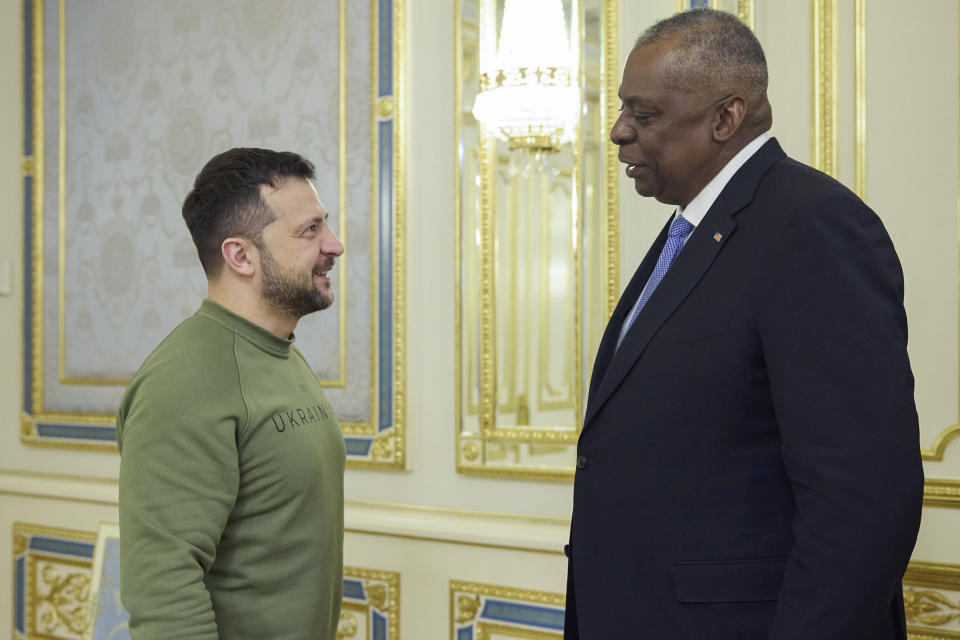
(129, 99)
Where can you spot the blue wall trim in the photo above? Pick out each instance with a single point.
(353, 589)
(385, 269)
(19, 595)
(76, 431)
(549, 618)
(59, 545)
(358, 446)
(27, 294)
(379, 626)
(385, 48)
(465, 633)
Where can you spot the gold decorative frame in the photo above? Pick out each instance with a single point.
(376, 596)
(824, 115)
(926, 605)
(941, 493)
(470, 447)
(51, 581)
(860, 98)
(476, 612)
(379, 443)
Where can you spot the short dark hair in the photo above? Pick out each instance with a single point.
(713, 49)
(226, 201)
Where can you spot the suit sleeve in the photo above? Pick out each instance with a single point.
(179, 479)
(834, 338)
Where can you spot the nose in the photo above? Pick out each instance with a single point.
(330, 244)
(622, 132)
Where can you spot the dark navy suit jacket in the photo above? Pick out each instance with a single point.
(749, 465)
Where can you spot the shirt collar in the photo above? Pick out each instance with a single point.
(701, 203)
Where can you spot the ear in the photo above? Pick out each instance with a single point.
(238, 256)
(730, 113)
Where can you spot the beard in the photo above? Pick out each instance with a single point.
(293, 293)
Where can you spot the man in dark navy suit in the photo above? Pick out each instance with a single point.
(749, 465)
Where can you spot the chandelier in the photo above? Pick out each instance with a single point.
(528, 93)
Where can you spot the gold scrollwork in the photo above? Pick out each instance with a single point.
(65, 600)
(467, 608)
(382, 589)
(19, 543)
(28, 428)
(383, 445)
(471, 451)
(929, 607)
(376, 594)
(347, 626)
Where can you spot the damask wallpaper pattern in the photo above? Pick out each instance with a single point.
(130, 98)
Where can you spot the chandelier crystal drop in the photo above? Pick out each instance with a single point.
(528, 93)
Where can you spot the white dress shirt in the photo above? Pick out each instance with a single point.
(701, 203)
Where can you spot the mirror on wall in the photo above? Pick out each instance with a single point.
(536, 227)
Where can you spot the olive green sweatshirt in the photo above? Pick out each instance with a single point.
(231, 489)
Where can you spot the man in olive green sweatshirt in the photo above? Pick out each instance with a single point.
(231, 472)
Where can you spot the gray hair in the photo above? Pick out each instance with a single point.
(711, 49)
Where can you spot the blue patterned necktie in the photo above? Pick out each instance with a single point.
(679, 228)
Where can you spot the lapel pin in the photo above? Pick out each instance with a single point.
(717, 236)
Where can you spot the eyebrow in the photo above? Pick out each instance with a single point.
(636, 101)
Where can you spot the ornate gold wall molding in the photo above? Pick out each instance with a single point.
(825, 144)
(480, 610)
(860, 98)
(51, 581)
(925, 603)
(496, 350)
(941, 493)
(371, 600)
(68, 408)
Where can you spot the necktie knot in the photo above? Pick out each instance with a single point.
(680, 226)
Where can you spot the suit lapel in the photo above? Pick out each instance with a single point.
(608, 344)
(689, 267)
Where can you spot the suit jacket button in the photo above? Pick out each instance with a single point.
(581, 462)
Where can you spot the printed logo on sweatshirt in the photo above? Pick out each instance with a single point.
(300, 416)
